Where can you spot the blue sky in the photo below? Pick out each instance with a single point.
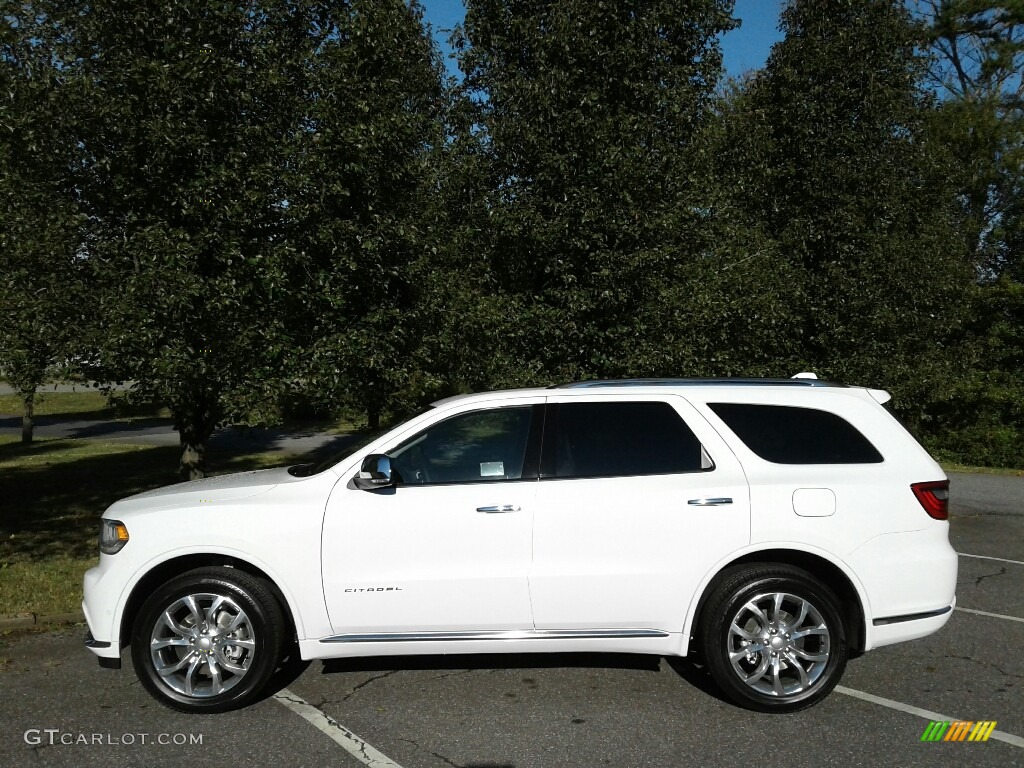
(744, 48)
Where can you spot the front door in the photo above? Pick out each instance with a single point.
(448, 548)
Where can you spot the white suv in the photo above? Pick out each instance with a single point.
(774, 527)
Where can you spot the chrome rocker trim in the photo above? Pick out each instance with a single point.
(517, 634)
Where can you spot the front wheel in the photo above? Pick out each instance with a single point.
(773, 638)
(208, 640)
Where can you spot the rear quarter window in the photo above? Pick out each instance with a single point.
(785, 434)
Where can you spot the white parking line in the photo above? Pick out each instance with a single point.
(993, 615)
(354, 745)
(1008, 738)
(986, 557)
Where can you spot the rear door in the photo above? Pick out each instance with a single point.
(639, 496)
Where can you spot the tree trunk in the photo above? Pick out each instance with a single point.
(27, 425)
(373, 417)
(193, 458)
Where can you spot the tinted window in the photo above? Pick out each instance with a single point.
(787, 435)
(479, 446)
(615, 439)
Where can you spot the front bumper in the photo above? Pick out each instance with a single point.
(99, 607)
(95, 645)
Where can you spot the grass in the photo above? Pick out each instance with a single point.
(52, 494)
(88, 404)
(46, 587)
(949, 466)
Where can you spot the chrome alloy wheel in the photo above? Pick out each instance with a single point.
(202, 645)
(778, 644)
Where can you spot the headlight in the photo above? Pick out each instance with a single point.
(113, 536)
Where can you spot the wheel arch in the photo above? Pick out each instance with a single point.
(849, 592)
(165, 570)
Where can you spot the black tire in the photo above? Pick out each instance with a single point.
(792, 664)
(224, 646)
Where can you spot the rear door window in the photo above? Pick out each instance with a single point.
(785, 434)
(614, 439)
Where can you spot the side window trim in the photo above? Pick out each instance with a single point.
(547, 456)
(534, 443)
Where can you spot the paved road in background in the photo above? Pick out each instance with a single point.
(161, 432)
(238, 440)
(7, 389)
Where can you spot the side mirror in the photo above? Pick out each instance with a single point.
(375, 472)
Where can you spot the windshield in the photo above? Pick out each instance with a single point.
(357, 441)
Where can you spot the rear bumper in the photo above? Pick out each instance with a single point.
(911, 617)
(897, 629)
(910, 581)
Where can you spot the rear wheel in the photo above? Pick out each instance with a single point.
(208, 640)
(773, 638)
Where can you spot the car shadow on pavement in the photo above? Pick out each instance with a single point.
(697, 675)
(639, 662)
(290, 669)
(689, 669)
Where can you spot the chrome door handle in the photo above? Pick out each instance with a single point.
(712, 502)
(497, 508)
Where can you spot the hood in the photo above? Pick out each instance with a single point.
(210, 489)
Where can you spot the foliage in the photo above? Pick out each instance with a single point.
(976, 67)
(271, 205)
(41, 299)
(359, 178)
(242, 166)
(588, 235)
(836, 169)
(180, 109)
(981, 418)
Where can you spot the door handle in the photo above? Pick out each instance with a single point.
(716, 501)
(498, 508)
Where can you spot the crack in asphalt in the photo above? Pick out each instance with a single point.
(360, 743)
(434, 754)
(451, 674)
(977, 581)
(442, 757)
(365, 683)
(984, 664)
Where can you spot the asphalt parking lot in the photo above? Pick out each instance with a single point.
(566, 710)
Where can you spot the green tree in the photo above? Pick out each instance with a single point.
(591, 225)
(185, 107)
(839, 174)
(976, 66)
(359, 198)
(41, 301)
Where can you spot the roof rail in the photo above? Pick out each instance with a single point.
(697, 382)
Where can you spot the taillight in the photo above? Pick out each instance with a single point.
(934, 497)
